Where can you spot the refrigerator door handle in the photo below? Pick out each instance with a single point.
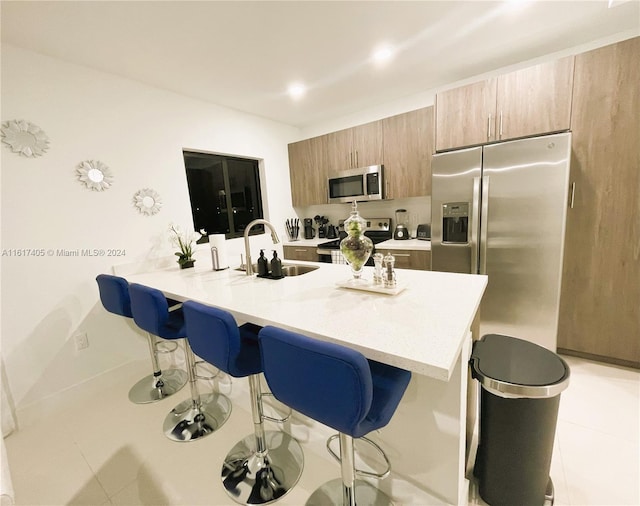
(484, 220)
(475, 224)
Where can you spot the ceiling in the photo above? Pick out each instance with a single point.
(244, 55)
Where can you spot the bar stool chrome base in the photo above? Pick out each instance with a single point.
(251, 478)
(189, 421)
(332, 492)
(147, 389)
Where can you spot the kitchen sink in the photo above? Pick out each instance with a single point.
(297, 269)
(288, 269)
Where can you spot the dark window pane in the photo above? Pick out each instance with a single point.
(224, 192)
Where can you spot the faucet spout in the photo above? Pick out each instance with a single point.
(247, 248)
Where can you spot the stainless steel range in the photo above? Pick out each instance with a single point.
(378, 230)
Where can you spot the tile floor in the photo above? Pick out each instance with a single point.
(96, 448)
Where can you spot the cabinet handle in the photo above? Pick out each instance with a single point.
(500, 134)
(300, 250)
(489, 128)
(402, 254)
(388, 193)
(357, 161)
(572, 194)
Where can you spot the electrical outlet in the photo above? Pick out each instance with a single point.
(81, 340)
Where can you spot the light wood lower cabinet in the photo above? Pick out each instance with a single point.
(600, 299)
(410, 259)
(304, 253)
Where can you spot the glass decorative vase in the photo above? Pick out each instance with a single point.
(356, 247)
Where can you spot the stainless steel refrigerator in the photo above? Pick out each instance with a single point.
(500, 210)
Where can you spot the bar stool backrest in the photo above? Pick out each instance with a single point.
(114, 294)
(327, 382)
(150, 309)
(214, 336)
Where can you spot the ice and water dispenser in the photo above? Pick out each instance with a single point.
(455, 222)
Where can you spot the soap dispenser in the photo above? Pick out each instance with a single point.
(263, 265)
(276, 266)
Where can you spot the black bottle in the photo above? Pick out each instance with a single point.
(276, 266)
(263, 265)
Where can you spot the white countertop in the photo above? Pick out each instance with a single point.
(412, 244)
(421, 329)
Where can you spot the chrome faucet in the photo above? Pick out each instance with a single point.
(247, 248)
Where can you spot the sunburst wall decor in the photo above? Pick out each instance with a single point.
(24, 138)
(95, 175)
(147, 201)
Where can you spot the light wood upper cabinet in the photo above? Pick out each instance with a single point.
(535, 100)
(465, 116)
(408, 147)
(600, 297)
(307, 172)
(531, 101)
(355, 147)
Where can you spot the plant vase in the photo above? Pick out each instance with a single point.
(185, 264)
(356, 247)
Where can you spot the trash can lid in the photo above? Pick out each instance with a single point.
(515, 368)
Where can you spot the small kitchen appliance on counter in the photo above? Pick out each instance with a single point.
(401, 231)
(424, 232)
(309, 231)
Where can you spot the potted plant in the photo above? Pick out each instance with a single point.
(186, 242)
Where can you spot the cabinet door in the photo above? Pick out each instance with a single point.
(411, 259)
(367, 144)
(408, 147)
(307, 172)
(339, 155)
(305, 253)
(600, 298)
(535, 100)
(465, 116)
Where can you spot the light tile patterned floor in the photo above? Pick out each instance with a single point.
(99, 449)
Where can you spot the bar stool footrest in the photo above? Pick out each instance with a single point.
(362, 472)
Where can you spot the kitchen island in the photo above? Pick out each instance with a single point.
(425, 329)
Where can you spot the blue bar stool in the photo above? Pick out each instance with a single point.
(200, 415)
(114, 295)
(265, 465)
(338, 387)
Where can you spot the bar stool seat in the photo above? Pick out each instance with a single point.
(340, 388)
(200, 415)
(265, 465)
(114, 295)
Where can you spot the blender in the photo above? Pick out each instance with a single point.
(401, 231)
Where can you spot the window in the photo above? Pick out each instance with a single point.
(224, 192)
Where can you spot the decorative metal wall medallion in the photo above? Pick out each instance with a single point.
(24, 138)
(147, 201)
(95, 175)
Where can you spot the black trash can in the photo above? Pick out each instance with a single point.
(521, 384)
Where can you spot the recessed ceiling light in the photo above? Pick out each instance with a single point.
(296, 90)
(382, 54)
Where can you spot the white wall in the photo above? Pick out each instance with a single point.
(139, 133)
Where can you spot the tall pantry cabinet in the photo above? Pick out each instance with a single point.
(600, 301)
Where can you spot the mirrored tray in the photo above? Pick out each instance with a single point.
(368, 286)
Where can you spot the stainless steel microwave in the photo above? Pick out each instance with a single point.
(363, 184)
